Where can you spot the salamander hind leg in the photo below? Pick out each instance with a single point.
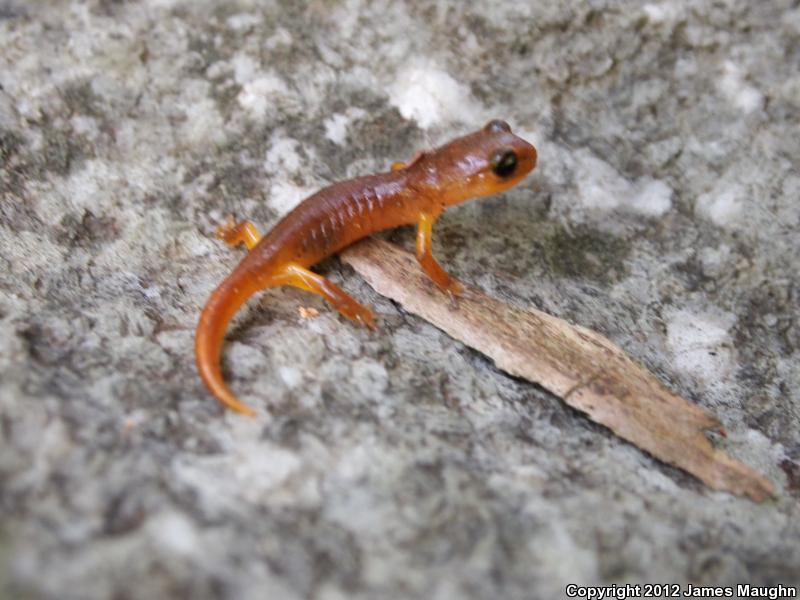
(233, 233)
(304, 279)
(451, 286)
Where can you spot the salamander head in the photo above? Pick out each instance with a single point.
(479, 164)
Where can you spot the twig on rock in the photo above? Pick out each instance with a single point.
(582, 367)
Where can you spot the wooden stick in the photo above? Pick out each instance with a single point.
(582, 367)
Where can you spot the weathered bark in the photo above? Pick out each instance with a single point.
(582, 367)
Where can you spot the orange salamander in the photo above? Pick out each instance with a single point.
(479, 164)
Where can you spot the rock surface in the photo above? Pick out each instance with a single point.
(399, 464)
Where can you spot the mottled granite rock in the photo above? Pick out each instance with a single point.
(398, 464)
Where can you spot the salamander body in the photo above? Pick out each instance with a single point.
(482, 163)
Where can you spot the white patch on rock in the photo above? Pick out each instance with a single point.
(265, 466)
(429, 95)
(651, 198)
(260, 89)
(743, 95)
(85, 189)
(281, 37)
(175, 532)
(336, 125)
(700, 343)
(282, 155)
(86, 126)
(662, 12)
(336, 128)
(243, 21)
(195, 244)
(203, 123)
(722, 206)
(248, 471)
(285, 195)
(602, 188)
(356, 461)
(291, 376)
(370, 377)
(217, 69)
(714, 261)
(257, 95)
(760, 451)
(345, 18)
(527, 133)
(244, 68)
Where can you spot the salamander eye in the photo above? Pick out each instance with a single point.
(496, 126)
(503, 163)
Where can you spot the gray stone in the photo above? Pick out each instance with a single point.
(397, 464)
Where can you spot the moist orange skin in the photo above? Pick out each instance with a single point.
(345, 212)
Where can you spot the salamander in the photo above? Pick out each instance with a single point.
(479, 164)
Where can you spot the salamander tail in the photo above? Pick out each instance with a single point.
(224, 302)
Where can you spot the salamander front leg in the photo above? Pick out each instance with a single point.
(445, 282)
(398, 165)
(233, 233)
(304, 279)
